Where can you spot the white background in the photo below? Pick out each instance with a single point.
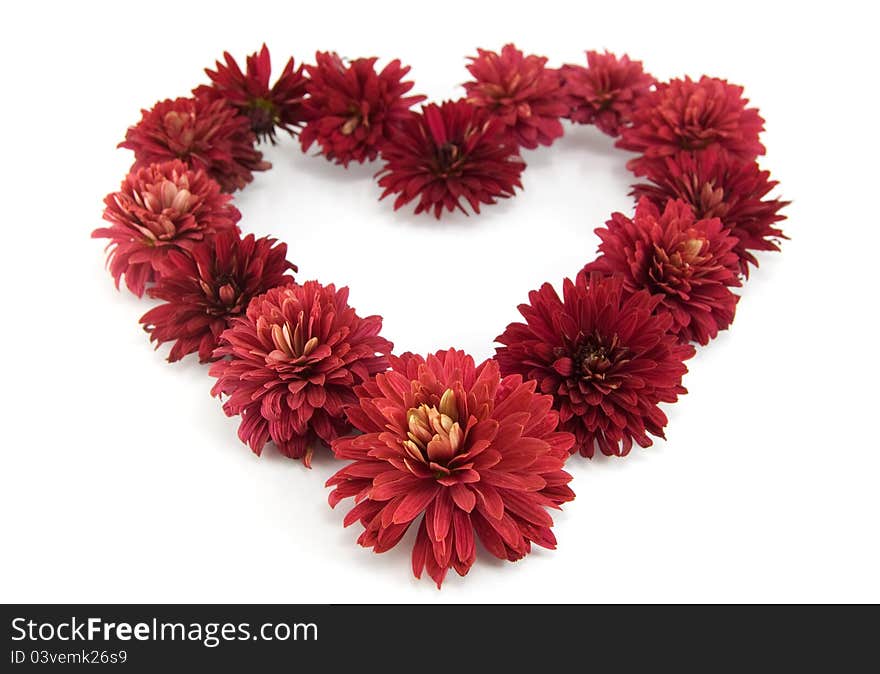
(121, 478)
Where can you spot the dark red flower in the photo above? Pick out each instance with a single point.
(604, 355)
(279, 106)
(351, 109)
(605, 92)
(449, 153)
(521, 92)
(716, 187)
(292, 362)
(479, 457)
(160, 208)
(692, 116)
(690, 264)
(205, 289)
(205, 134)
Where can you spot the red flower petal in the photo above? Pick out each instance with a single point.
(624, 362)
(299, 349)
(521, 92)
(447, 402)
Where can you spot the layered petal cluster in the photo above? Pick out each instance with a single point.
(204, 133)
(521, 91)
(351, 108)
(457, 451)
(684, 115)
(605, 92)
(160, 208)
(279, 106)
(719, 187)
(204, 289)
(291, 364)
(605, 356)
(450, 153)
(689, 264)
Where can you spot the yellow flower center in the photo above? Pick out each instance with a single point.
(434, 434)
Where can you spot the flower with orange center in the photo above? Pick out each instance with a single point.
(724, 188)
(690, 264)
(160, 208)
(291, 363)
(458, 450)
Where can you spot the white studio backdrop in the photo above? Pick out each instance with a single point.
(122, 480)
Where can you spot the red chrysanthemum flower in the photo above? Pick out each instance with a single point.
(716, 187)
(293, 361)
(692, 116)
(690, 264)
(604, 355)
(521, 92)
(351, 109)
(205, 289)
(469, 454)
(605, 92)
(447, 153)
(205, 134)
(160, 208)
(279, 106)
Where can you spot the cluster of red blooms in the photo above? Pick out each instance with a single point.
(460, 450)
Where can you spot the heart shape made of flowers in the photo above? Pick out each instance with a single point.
(464, 451)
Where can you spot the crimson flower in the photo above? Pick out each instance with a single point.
(692, 116)
(205, 134)
(351, 109)
(521, 92)
(291, 364)
(267, 108)
(207, 287)
(604, 355)
(449, 153)
(160, 208)
(719, 187)
(689, 263)
(605, 92)
(466, 453)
